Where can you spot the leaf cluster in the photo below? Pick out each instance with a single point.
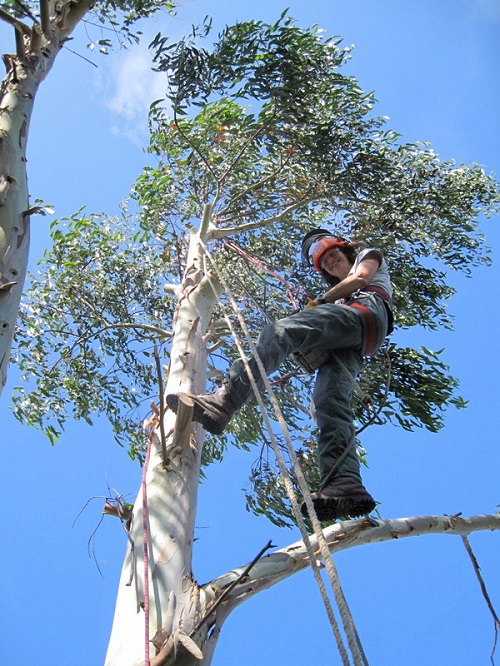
(88, 328)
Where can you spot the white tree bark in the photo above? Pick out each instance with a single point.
(176, 602)
(37, 48)
(281, 564)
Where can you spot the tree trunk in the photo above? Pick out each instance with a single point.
(176, 602)
(37, 49)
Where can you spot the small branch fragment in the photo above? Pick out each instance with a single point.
(486, 596)
(230, 587)
(162, 408)
(182, 428)
(190, 645)
(45, 17)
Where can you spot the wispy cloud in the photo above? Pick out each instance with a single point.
(130, 88)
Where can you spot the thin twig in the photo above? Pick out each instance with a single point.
(229, 589)
(26, 11)
(12, 20)
(221, 180)
(255, 186)
(486, 596)
(195, 148)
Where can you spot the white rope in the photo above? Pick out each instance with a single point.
(359, 658)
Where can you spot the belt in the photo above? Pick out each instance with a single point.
(378, 290)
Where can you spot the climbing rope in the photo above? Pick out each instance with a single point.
(289, 286)
(359, 658)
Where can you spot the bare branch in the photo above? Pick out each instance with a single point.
(26, 11)
(16, 23)
(484, 591)
(253, 187)
(166, 650)
(182, 428)
(235, 161)
(162, 406)
(258, 224)
(45, 17)
(287, 561)
(195, 148)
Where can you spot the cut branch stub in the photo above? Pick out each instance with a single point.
(182, 427)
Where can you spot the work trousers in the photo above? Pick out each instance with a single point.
(334, 327)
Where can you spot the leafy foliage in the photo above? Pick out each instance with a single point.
(265, 127)
(106, 21)
(89, 327)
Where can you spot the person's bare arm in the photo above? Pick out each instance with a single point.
(358, 280)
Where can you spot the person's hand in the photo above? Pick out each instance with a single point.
(313, 303)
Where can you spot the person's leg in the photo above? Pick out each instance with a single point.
(341, 493)
(326, 326)
(332, 412)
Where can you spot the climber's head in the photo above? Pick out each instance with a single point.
(333, 257)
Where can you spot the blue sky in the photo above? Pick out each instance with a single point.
(434, 67)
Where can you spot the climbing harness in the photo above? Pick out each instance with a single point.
(311, 360)
(358, 655)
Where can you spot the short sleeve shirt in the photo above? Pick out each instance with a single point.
(381, 277)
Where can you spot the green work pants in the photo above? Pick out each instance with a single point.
(338, 328)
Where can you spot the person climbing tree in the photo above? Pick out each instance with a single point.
(350, 320)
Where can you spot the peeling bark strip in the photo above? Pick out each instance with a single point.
(36, 50)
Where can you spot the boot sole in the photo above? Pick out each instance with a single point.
(332, 508)
(200, 413)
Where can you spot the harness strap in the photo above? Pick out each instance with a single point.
(381, 292)
(369, 319)
(370, 326)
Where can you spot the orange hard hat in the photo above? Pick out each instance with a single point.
(324, 244)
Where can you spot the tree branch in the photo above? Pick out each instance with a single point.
(26, 10)
(162, 407)
(482, 584)
(250, 226)
(16, 23)
(253, 187)
(277, 566)
(45, 17)
(235, 162)
(166, 650)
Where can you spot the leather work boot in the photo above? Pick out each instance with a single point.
(343, 497)
(213, 410)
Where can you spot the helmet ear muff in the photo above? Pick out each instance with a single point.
(309, 239)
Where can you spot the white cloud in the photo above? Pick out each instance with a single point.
(130, 89)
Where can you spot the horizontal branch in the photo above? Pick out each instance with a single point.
(217, 232)
(287, 561)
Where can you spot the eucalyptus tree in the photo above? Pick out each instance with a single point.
(262, 139)
(41, 29)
